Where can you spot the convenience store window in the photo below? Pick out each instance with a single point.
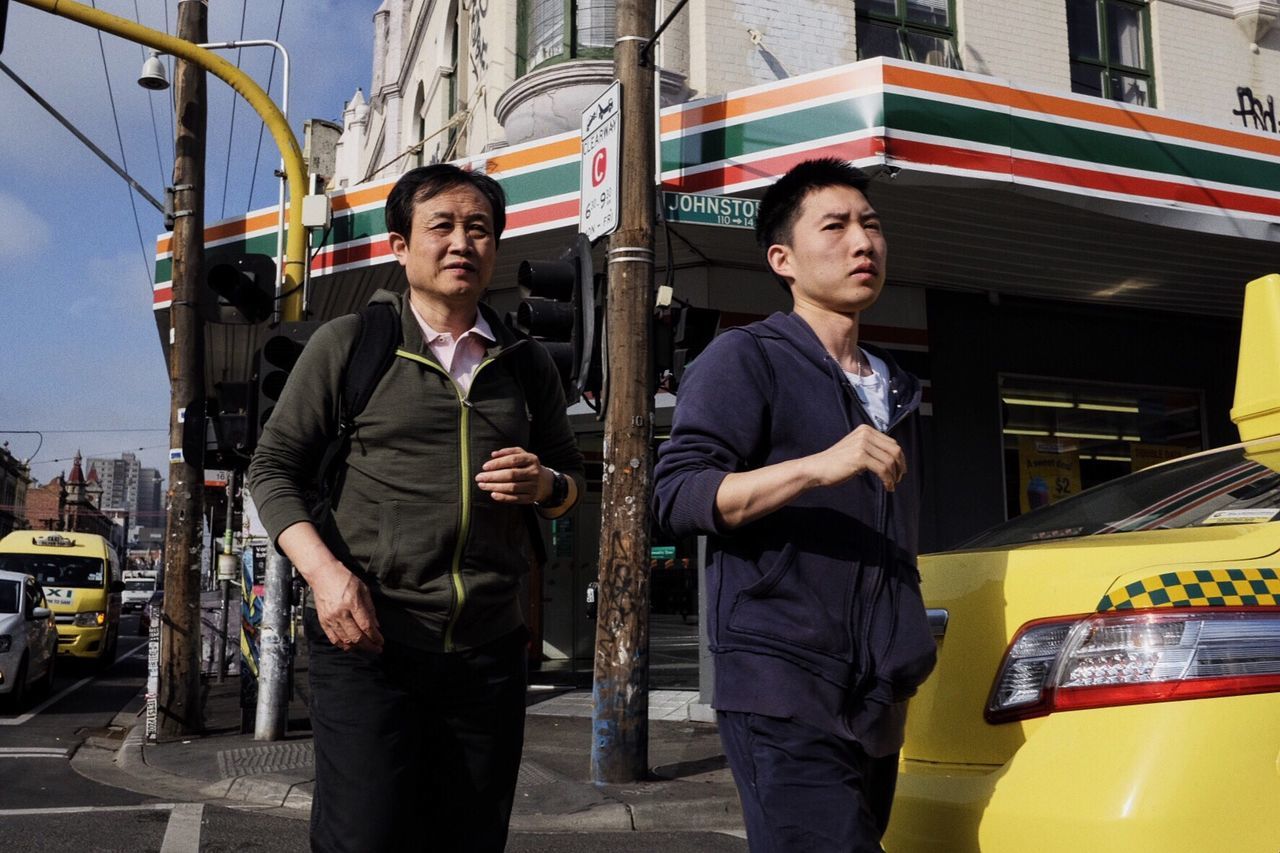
(1061, 437)
(917, 30)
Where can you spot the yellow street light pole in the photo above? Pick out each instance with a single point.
(295, 168)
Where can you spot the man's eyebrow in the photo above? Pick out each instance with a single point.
(438, 215)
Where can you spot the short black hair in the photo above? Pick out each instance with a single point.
(418, 185)
(782, 203)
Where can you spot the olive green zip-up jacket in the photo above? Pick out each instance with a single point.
(441, 557)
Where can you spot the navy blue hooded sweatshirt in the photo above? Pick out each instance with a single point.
(813, 611)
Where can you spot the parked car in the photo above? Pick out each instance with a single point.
(28, 638)
(1108, 672)
(156, 602)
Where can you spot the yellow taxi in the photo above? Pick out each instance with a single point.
(80, 573)
(1108, 672)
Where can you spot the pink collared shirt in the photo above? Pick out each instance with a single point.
(461, 355)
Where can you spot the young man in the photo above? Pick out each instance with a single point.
(796, 450)
(416, 634)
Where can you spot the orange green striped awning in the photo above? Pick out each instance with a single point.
(935, 124)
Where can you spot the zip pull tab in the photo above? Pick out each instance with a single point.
(466, 401)
(528, 413)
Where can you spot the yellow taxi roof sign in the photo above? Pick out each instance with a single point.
(37, 541)
(1256, 412)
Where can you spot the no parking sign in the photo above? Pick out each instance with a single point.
(600, 180)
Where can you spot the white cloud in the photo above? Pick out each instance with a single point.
(22, 230)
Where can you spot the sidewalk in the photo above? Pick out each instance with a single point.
(690, 786)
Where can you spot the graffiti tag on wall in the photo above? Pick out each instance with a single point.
(479, 46)
(1251, 109)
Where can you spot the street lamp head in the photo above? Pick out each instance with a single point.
(153, 76)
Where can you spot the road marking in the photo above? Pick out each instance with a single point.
(183, 833)
(33, 752)
(17, 721)
(145, 807)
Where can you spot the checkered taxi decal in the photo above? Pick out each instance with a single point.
(1198, 588)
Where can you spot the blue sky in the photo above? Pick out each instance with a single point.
(80, 357)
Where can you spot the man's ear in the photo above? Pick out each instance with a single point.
(399, 246)
(779, 257)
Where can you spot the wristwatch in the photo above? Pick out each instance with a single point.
(559, 491)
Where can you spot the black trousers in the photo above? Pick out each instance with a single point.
(415, 750)
(804, 790)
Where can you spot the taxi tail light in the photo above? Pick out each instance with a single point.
(1109, 659)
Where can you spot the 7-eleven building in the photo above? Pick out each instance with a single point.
(1065, 273)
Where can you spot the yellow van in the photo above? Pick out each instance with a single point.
(80, 573)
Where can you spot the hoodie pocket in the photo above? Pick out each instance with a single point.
(800, 601)
(912, 651)
(415, 544)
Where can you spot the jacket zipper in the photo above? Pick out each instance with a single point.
(464, 454)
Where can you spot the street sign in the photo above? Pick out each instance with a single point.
(726, 210)
(601, 149)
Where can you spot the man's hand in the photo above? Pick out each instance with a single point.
(345, 609)
(343, 603)
(864, 449)
(514, 475)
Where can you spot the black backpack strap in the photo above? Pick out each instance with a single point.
(370, 358)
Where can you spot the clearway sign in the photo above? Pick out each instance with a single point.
(601, 149)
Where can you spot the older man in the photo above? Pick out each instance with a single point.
(416, 633)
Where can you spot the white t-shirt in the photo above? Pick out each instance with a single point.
(873, 390)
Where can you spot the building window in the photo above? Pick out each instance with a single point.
(557, 30)
(1110, 44)
(918, 30)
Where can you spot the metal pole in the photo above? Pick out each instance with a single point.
(273, 650)
(620, 714)
(179, 703)
(221, 655)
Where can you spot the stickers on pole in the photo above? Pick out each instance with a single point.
(601, 153)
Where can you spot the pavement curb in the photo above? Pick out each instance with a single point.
(605, 817)
(576, 805)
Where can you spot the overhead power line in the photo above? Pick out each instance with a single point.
(147, 270)
(151, 105)
(263, 126)
(231, 126)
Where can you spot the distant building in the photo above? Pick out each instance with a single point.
(150, 509)
(120, 479)
(14, 480)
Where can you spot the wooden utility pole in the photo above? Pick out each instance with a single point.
(179, 701)
(620, 737)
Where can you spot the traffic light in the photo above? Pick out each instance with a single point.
(560, 312)
(242, 288)
(681, 332)
(229, 421)
(276, 358)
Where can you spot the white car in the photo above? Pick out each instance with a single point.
(28, 638)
